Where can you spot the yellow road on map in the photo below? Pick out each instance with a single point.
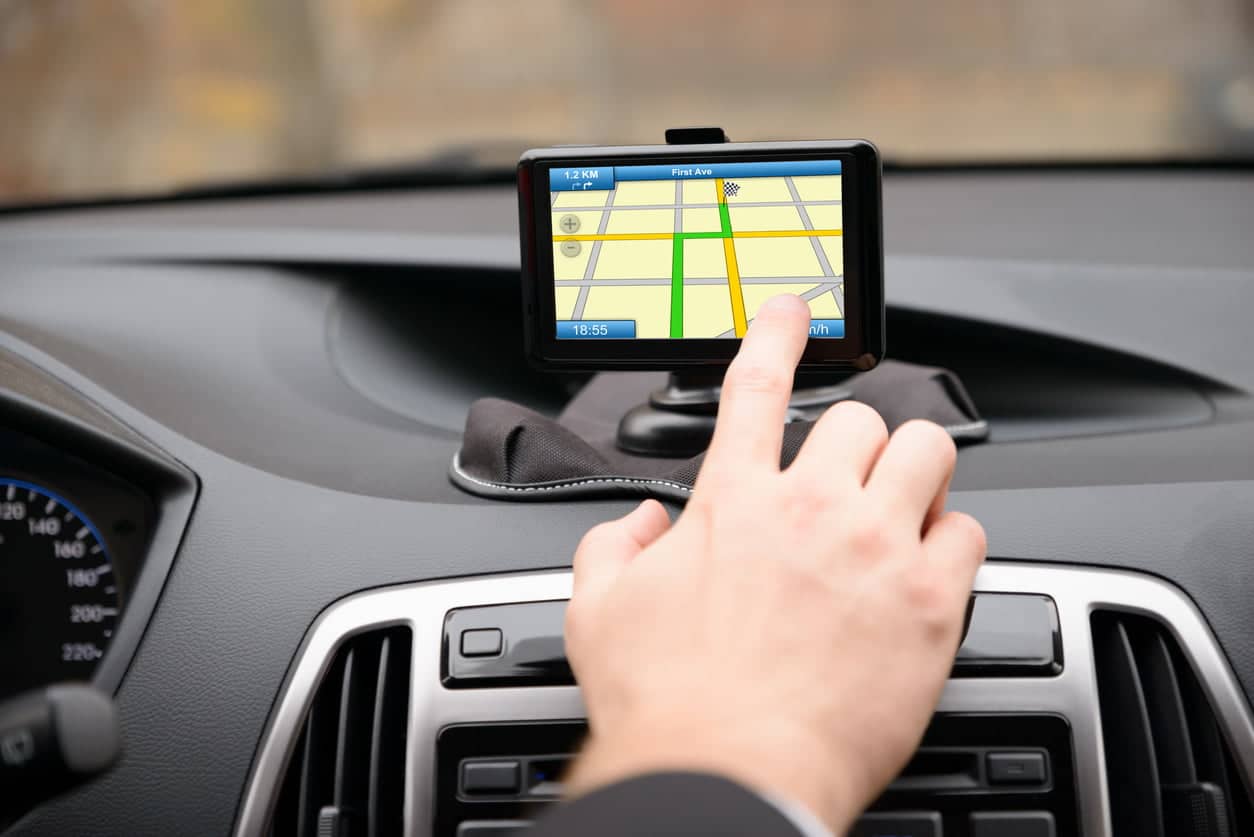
(739, 324)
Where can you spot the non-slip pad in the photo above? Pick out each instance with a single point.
(510, 452)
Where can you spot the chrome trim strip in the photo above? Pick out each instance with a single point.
(1073, 693)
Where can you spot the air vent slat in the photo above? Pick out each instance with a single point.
(317, 770)
(344, 729)
(1209, 753)
(1135, 802)
(1168, 767)
(346, 776)
(306, 770)
(387, 738)
(1172, 747)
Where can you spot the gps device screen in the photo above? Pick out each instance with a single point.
(690, 250)
(662, 262)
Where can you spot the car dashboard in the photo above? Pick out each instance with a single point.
(226, 425)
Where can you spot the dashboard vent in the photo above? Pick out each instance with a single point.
(346, 775)
(1169, 770)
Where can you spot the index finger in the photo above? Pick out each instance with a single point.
(758, 384)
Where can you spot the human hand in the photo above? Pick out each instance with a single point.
(793, 629)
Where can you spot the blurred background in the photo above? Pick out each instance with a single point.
(124, 97)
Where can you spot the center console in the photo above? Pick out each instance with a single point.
(999, 773)
(1018, 745)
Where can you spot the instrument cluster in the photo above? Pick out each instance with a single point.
(72, 542)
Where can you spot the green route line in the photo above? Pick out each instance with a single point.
(677, 285)
(677, 267)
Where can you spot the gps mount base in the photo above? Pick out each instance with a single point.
(678, 419)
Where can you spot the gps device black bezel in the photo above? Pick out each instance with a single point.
(861, 348)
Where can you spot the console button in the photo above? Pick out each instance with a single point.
(485, 642)
(904, 824)
(528, 647)
(491, 777)
(492, 828)
(1013, 824)
(1010, 635)
(1016, 768)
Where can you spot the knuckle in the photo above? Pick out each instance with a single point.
(758, 377)
(855, 412)
(869, 536)
(807, 490)
(930, 436)
(592, 545)
(974, 533)
(923, 590)
(593, 538)
(808, 502)
(937, 626)
(703, 505)
(929, 597)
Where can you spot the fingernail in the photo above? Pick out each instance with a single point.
(782, 303)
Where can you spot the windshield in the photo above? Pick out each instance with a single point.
(142, 96)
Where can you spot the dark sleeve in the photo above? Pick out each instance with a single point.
(667, 805)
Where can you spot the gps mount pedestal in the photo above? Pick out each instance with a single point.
(678, 419)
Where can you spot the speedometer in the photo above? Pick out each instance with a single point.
(59, 599)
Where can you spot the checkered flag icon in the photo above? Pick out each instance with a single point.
(730, 190)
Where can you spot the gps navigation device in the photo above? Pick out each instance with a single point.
(658, 257)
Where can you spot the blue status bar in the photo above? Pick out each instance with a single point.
(602, 178)
(594, 329)
(626, 329)
(827, 328)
